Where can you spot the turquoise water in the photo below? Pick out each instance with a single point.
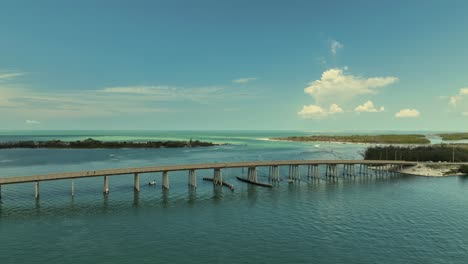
(398, 219)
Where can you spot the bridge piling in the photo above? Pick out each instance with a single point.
(218, 177)
(36, 190)
(73, 187)
(165, 180)
(192, 178)
(273, 173)
(106, 185)
(316, 171)
(252, 174)
(136, 182)
(297, 173)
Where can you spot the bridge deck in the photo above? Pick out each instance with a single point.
(112, 172)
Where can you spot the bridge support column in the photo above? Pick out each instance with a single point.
(192, 178)
(136, 182)
(252, 174)
(297, 173)
(73, 187)
(316, 171)
(165, 180)
(106, 185)
(276, 176)
(218, 177)
(36, 190)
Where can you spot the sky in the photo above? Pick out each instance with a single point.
(234, 65)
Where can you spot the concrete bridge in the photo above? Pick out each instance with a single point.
(313, 171)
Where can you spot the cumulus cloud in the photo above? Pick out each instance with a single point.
(368, 107)
(335, 46)
(315, 111)
(458, 97)
(336, 85)
(32, 122)
(404, 113)
(244, 80)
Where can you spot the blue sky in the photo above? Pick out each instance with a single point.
(196, 65)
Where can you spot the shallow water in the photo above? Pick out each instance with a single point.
(398, 219)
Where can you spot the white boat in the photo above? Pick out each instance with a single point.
(152, 183)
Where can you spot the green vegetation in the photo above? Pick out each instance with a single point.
(463, 169)
(433, 153)
(376, 139)
(94, 144)
(454, 136)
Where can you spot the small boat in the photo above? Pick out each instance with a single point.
(152, 183)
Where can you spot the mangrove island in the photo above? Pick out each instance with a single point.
(371, 139)
(96, 144)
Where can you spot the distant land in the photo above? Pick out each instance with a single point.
(96, 144)
(431, 153)
(374, 139)
(454, 136)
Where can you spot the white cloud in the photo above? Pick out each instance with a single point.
(24, 103)
(9, 75)
(32, 122)
(335, 46)
(244, 80)
(336, 85)
(315, 111)
(368, 107)
(407, 113)
(458, 97)
(334, 109)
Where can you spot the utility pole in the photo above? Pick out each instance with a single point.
(453, 153)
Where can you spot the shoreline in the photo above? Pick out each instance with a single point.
(430, 170)
(345, 142)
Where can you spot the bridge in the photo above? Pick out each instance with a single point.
(313, 171)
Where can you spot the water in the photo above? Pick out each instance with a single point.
(397, 219)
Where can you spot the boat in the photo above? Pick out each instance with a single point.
(152, 183)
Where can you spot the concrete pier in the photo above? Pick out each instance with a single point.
(36, 190)
(73, 186)
(218, 177)
(313, 171)
(274, 173)
(294, 173)
(192, 178)
(136, 182)
(252, 174)
(106, 185)
(165, 180)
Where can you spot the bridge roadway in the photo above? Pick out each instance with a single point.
(193, 167)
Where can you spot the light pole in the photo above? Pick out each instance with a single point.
(453, 153)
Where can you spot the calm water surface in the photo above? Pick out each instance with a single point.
(396, 219)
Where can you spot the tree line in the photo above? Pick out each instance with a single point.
(434, 153)
(92, 143)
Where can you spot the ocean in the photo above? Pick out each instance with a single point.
(397, 219)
